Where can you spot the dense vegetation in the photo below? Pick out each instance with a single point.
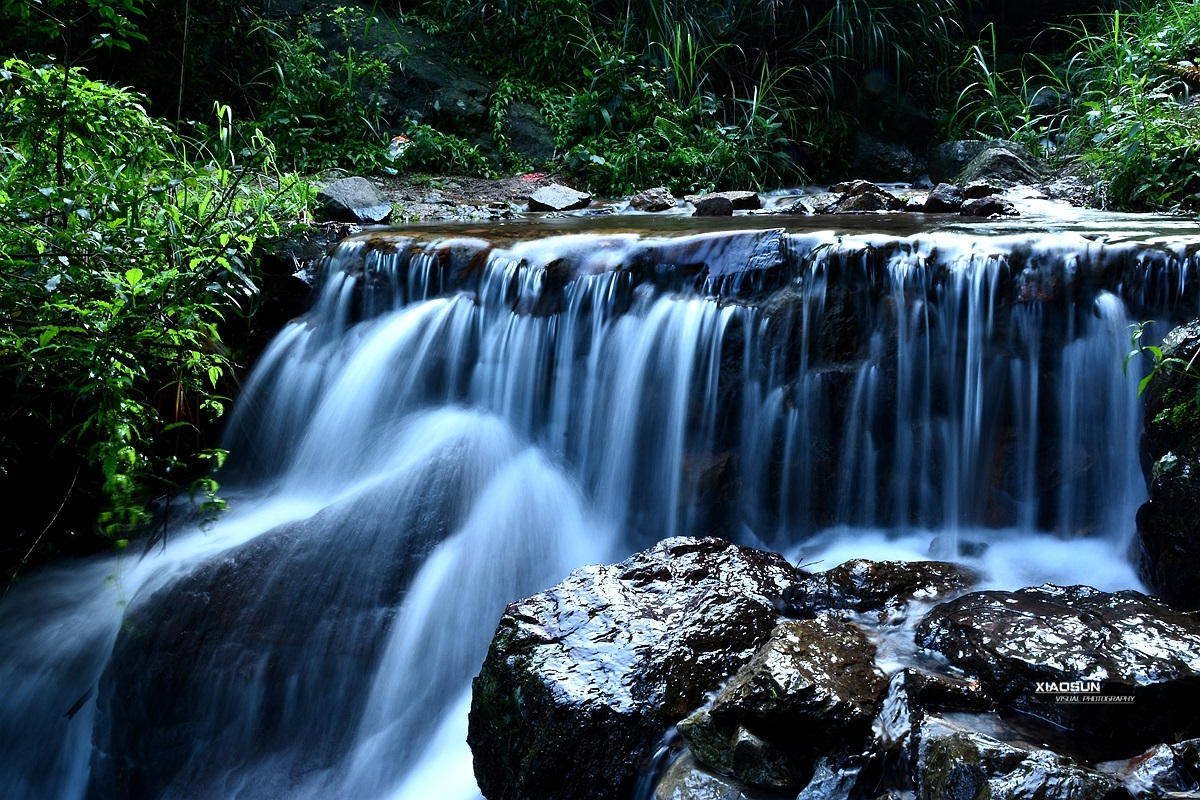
(127, 225)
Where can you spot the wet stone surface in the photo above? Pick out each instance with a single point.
(861, 585)
(1117, 667)
(581, 680)
(812, 689)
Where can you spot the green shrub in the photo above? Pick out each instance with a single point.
(124, 248)
(326, 105)
(1140, 130)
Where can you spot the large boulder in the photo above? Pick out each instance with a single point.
(582, 680)
(811, 691)
(353, 200)
(1169, 522)
(1119, 668)
(1161, 770)
(739, 200)
(945, 198)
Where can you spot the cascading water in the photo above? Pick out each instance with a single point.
(457, 424)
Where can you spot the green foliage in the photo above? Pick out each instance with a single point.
(1161, 364)
(430, 150)
(326, 105)
(1140, 131)
(1131, 121)
(1003, 103)
(123, 249)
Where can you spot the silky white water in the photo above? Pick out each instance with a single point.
(445, 433)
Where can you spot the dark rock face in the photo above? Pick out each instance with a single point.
(1032, 646)
(528, 133)
(884, 161)
(811, 690)
(657, 199)
(861, 585)
(712, 205)
(946, 198)
(955, 762)
(353, 200)
(581, 680)
(557, 197)
(1169, 523)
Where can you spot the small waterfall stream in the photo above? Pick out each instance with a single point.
(459, 422)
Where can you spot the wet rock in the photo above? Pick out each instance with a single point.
(687, 779)
(712, 205)
(1126, 665)
(860, 196)
(809, 691)
(1159, 771)
(557, 197)
(946, 198)
(861, 585)
(1001, 166)
(581, 680)
(976, 189)
(741, 201)
(353, 200)
(1168, 524)
(955, 762)
(657, 199)
(990, 206)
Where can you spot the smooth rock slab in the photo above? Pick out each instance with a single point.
(353, 200)
(581, 680)
(1029, 646)
(557, 197)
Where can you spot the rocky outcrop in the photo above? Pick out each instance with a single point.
(353, 200)
(1168, 523)
(1118, 667)
(557, 197)
(581, 680)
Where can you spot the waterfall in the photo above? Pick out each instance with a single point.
(457, 423)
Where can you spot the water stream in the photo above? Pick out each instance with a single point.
(466, 415)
